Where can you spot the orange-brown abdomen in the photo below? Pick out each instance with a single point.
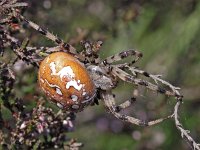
(66, 81)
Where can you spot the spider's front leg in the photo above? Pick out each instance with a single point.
(156, 79)
(109, 101)
(128, 78)
(49, 35)
(122, 55)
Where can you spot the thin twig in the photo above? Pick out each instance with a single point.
(185, 134)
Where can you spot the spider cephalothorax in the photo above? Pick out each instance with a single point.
(75, 79)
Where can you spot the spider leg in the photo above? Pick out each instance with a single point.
(122, 55)
(129, 78)
(156, 78)
(12, 4)
(109, 101)
(125, 104)
(49, 35)
(22, 52)
(135, 71)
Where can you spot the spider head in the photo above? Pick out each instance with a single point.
(91, 48)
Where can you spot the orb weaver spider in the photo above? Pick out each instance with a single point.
(102, 77)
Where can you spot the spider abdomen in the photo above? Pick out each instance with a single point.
(66, 81)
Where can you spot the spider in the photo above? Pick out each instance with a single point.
(101, 77)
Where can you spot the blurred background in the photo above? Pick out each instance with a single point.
(168, 35)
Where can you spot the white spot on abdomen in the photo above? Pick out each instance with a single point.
(74, 84)
(65, 71)
(53, 67)
(74, 98)
(58, 91)
(75, 106)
